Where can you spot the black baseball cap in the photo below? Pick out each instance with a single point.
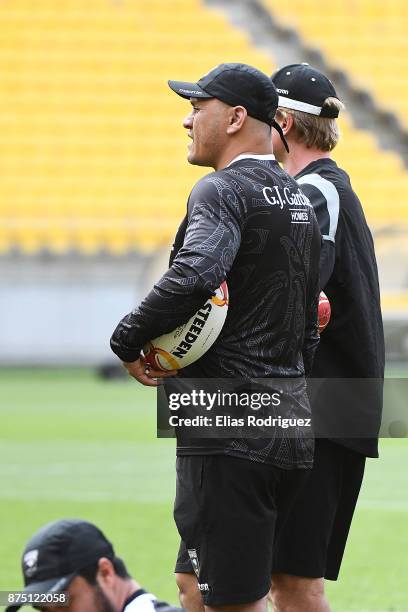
(236, 85)
(303, 88)
(58, 551)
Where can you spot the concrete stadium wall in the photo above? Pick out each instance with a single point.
(62, 311)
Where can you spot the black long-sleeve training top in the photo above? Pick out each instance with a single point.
(251, 225)
(352, 345)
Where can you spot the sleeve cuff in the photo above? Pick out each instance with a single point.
(128, 356)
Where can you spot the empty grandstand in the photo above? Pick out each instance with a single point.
(93, 152)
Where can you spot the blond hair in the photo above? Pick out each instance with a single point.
(312, 130)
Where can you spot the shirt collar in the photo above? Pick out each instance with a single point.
(251, 156)
(135, 595)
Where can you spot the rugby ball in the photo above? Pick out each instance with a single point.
(190, 341)
(324, 311)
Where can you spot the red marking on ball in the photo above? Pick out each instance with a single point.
(223, 297)
(159, 359)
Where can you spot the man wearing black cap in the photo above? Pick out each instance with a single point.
(242, 225)
(74, 558)
(312, 543)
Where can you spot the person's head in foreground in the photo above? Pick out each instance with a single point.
(307, 112)
(233, 110)
(74, 556)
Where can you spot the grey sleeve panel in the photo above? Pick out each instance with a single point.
(325, 200)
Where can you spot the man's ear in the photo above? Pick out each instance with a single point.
(236, 119)
(286, 122)
(106, 572)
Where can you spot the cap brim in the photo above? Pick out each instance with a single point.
(188, 90)
(46, 586)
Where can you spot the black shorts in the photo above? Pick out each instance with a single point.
(312, 540)
(227, 512)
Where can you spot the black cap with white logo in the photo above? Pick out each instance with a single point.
(303, 88)
(236, 85)
(58, 551)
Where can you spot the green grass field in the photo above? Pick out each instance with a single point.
(74, 446)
